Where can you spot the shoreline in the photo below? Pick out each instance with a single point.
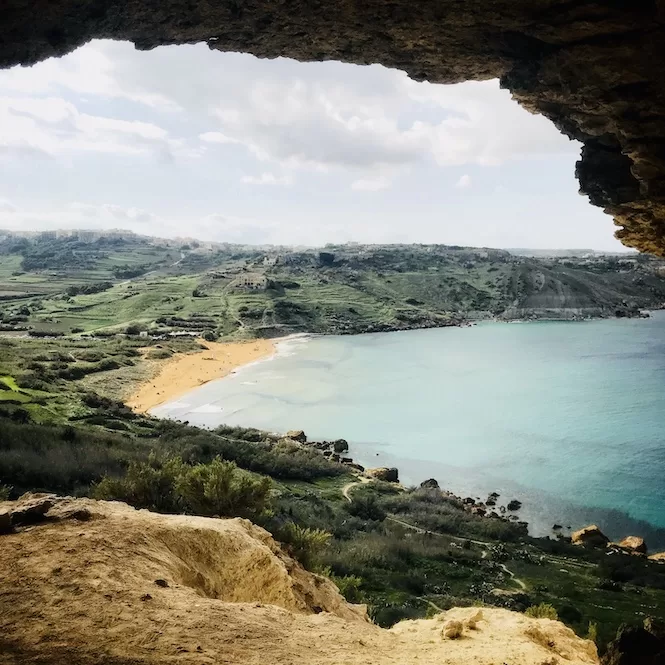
(185, 372)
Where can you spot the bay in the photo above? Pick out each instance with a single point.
(566, 417)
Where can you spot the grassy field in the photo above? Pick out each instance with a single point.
(68, 287)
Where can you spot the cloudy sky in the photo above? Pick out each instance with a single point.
(184, 141)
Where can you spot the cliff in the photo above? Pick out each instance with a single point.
(90, 582)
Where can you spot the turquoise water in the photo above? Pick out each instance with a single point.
(567, 417)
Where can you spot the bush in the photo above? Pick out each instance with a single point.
(220, 488)
(159, 354)
(215, 489)
(542, 611)
(349, 587)
(304, 544)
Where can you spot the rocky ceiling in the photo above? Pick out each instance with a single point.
(596, 69)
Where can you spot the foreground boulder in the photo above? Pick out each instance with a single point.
(590, 536)
(388, 475)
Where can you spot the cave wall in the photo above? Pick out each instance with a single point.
(596, 69)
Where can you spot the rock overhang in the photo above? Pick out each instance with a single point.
(595, 69)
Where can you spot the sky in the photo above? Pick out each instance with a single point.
(183, 141)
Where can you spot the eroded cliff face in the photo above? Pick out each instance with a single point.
(596, 69)
(99, 583)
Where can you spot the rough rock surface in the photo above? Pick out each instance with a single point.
(590, 536)
(387, 474)
(596, 69)
(130, 587)
(634, 544)
(297, 435)
(638, 645)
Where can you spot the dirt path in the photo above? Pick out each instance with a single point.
(346, 491)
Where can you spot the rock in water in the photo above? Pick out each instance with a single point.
(297, 435)
(634, 544)
(340, 445)
(388, 475)
(590, 536)
(514, 505)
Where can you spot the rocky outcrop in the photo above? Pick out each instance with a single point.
(658, 557)
(590, 536)
(597, 70)
(129, 586)
(430, 484)
(297, 435)
(387, 474)
(634, 545)
(637, 645)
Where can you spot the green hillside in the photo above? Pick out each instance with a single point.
(66, 286)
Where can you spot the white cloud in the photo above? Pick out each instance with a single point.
(267, 179)
(464, 182)
(216, 137)
(53, 126)
(371, 184)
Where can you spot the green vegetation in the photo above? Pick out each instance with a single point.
(217, 488)
(103, 287)
(95, 310)
(542, 611)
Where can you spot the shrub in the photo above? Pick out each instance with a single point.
(303, 543)
(159, 354)
(542, 611)
(220, 488)
(349, 587)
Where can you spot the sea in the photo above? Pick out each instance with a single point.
(566, 417)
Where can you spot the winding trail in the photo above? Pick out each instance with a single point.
(346, 492)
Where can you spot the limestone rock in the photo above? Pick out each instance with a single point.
(472, 622)
(590, 536)
(637, 645)
(31, 508)
(389, 475)
(5, 521)
(634, 544)
(658, 557)
(430, 484)
(452, 629)
(297, 435)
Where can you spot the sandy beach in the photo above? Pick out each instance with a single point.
(183, 372)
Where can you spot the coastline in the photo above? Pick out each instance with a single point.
(184, 372)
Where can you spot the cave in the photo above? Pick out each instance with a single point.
(595, 69)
